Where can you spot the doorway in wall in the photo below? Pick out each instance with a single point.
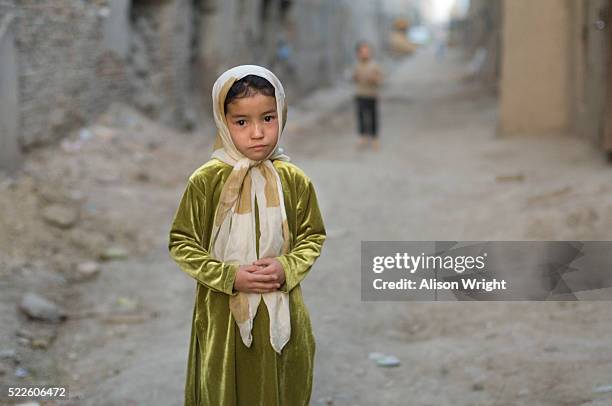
(597, 81)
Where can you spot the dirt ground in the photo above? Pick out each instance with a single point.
(441, 174)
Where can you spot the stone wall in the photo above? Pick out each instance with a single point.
(64, 75)
(159, 63)
(76, 57)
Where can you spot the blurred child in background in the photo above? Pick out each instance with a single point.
(368, 77)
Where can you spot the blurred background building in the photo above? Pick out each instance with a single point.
(556, 67)
(65, 61)
(548, 60)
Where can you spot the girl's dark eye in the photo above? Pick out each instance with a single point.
(269, 118)
(240, 122)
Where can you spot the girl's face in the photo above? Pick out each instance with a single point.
(253, 125)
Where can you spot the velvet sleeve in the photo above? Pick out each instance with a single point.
(186, 243)
(310, 235)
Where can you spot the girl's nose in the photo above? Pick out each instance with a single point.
(258, 133)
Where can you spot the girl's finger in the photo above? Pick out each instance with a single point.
(262, 277)
(260, 285)
(265, 271)
(263, 261)
(265, 285)
(253, 268)
(263, 290)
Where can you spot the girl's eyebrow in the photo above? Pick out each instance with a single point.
(246, 116)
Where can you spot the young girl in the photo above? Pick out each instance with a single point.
(248, 228)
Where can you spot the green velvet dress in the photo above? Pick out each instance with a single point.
(221, 370)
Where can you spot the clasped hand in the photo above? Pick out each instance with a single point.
(262, 276)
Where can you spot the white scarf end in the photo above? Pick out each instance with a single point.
(279, 345)
(245, 333)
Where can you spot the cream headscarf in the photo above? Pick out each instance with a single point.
(233, 238)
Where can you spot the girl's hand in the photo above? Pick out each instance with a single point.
(248, 280)
(271, 267)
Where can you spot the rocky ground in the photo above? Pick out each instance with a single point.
(84, 227)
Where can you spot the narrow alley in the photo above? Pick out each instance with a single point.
(495, 124)
(441, 173)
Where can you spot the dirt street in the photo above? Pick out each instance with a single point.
(441, 174)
